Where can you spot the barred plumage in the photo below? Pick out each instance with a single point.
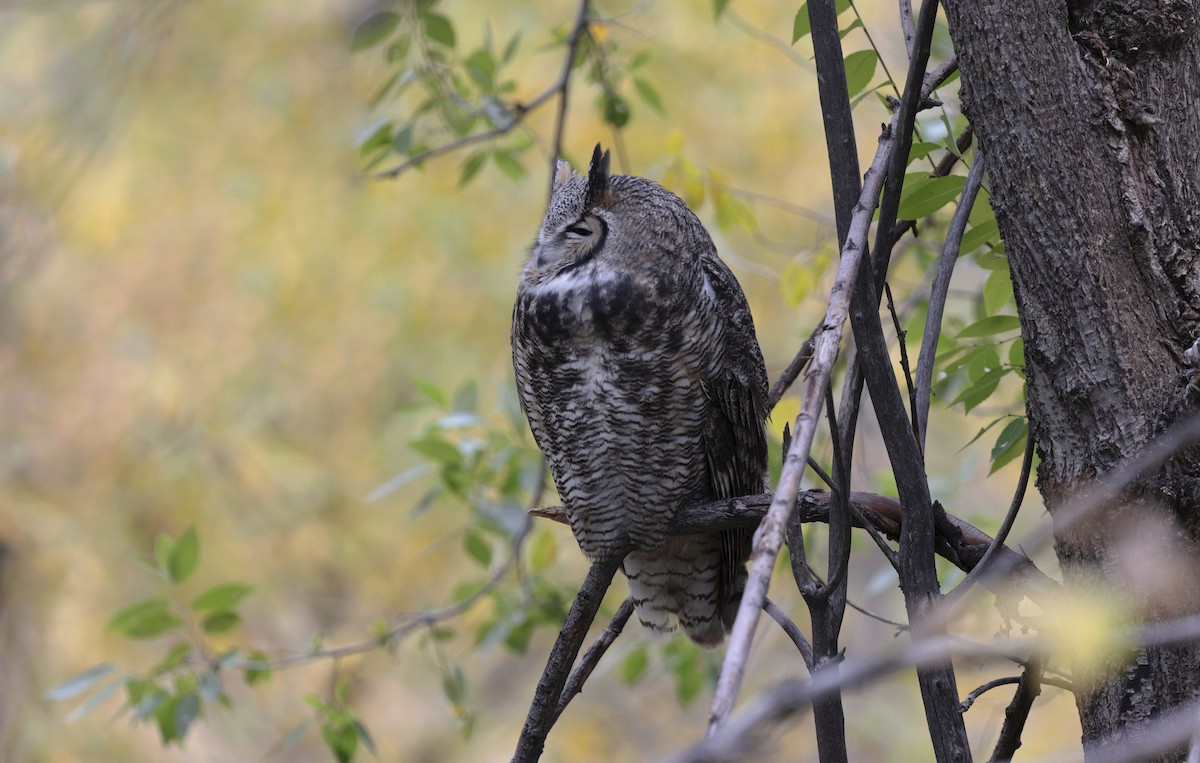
(638, 369)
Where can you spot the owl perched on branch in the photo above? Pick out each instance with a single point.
(639, 372)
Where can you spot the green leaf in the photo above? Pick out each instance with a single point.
(1010, 443)
(257, 675)
(860, 70)
(995, 324)
(97, 699)
(341, 738)
(517, 638)
(542, 551)
(856, 24)
(981, 390)
(510, 49)
(470, 168)
(437, 449)
(186, 709)
(374, 29)
(800, 26)
(220, 621)
(1016, 354)
(921, 149)
(430, 391)
(454, 684)
(649, 95)
(80, 683)
(719, 8)
(615, 108)
(438, 28)
(478, 549)
(482, 68)
(224, 596)
(364, 736)
(402, 140)
(929, 197)
(184, 555)
(997, 291)
(980, 360)
(162, 550)
(981, 433)
(634, 665)
(210, 686)
(293, 737)
(145, 619)
(508, 164)
(175, 657)
(398, 50)
(978, 235)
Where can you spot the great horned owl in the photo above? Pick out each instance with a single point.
(639, 372)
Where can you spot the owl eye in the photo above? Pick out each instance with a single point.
(579, 229)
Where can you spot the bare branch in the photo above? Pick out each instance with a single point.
(901, 337)
(592, 656)
(937, 296)
(789, 375)
(1017, 711)
(769, 537)
(792, 631)
(964, 547)
(907, 26)
(1005, 527)
(544, 709)
(578, 29)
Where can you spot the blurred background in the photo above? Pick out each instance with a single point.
(210, 317)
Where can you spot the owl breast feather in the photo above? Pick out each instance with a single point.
(582, 303)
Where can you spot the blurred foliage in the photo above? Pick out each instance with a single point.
(225, 346)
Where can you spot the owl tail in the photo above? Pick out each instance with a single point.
(678, 584)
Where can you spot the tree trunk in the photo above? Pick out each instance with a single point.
(1089, 113)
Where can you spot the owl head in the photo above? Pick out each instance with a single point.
(632, 222)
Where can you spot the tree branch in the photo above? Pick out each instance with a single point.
(1017, 712)
(592, 656)
(965, 547)
(519, 112)
(938, 293)
(769, 537)
(544, 709)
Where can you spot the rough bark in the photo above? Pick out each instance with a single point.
(1089, 113)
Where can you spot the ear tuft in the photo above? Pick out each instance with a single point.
(562, 173)
(597, 186)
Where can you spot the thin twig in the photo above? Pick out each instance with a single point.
(768, 39)
(578, 29)
(592, 656)
(1005, 527)
(937, 298)
(519, 112)
(792, 372)
(975, 694)
(412, 622)
(901, 336)
(792, 631)
(840, 522)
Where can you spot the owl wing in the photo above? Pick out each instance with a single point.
(735, 440)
